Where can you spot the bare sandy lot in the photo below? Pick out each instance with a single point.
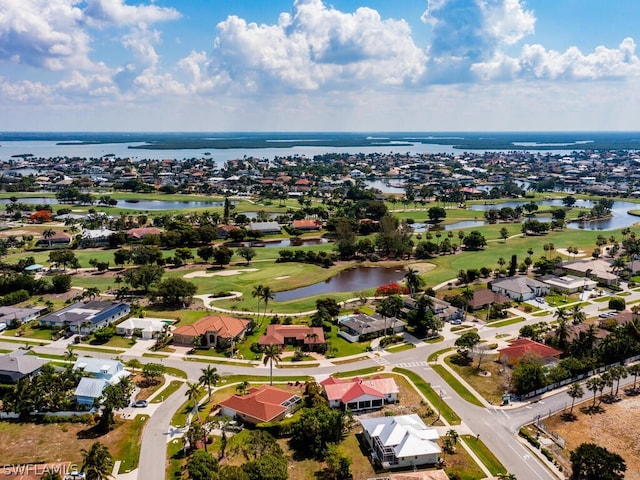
(613, 429)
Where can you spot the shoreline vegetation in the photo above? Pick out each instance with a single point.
(506, 141)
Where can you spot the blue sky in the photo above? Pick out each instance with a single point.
(314, 65)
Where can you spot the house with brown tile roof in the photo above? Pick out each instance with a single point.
(522, 347)
(264, 404)
(359, 394)
(484, 298)
(307, 225)
(214, 330)
(297, 335)
(140, 232)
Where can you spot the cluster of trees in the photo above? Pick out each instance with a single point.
(14, 286)
(50, 391)
(322, 258)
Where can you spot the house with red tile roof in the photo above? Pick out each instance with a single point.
(522, 347)
(264, 404)
(359, 394)
(297, 335)
(214, 331)
(307, 225)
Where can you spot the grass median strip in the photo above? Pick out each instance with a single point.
(484, 454)
(504, 323)
(131, 445)
(434, 399)
(168, 391)
(454, 383)
(358, 373)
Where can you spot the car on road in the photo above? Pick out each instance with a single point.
(456, 322)
(539, 299)
(140, 403)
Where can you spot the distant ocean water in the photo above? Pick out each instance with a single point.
(226, 146)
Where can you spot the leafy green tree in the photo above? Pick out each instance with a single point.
(528, 375)
(232, 472)
(222, 255)
(593, 462)
(247, 253)
(436, 214)
(338, 465)
(467, 342)
(114, 397)
(316, 429)
(61, 283)
(202, 466)
(97, 462)
(474, 241)
(267, 467)
(176, 292)
(152, 372)
(144, 276)
(205, 252)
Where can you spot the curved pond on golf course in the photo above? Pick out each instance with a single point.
(352, 280)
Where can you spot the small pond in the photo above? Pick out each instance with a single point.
(352, 280)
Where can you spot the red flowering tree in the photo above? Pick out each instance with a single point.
(41, 216)
(391, 289)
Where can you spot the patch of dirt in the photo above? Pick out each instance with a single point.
(611, 429)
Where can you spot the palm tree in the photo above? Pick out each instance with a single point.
(48, 234)
(618, 373)
(575, 391)
(414, 280)
(193, 390)
(257, 293)
(267, 294)
(577, 314)
(97, 462)
(271, 354)
(241, 389)
(635, 371)
(593, 385)
(209, 378)
(454, 436)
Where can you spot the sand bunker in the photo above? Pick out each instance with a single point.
(563, 251)
(283, 277)
(221, 273)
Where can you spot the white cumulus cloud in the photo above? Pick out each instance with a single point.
(116, 12)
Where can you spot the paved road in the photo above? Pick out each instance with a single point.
(152, 462)
(497, 426)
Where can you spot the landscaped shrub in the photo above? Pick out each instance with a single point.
(617, 303)
(532, 440)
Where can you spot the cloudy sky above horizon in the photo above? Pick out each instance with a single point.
(314, 65)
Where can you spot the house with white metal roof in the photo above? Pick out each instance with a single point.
(402, 441)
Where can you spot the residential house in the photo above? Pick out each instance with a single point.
(264, 404)
(600, 270)
(402, 441)
(359, 394)
(520, 288)
(103, 372)
(147, 328)
(140, 232)
(569, 283)
(59, 239)
(307, 225)
(265, 227)
(441, 309)
(362, 326)
(523, 347)
(483, 298)
(222, 231)
(14, 316)
(17, 365)
(86, 317)
(96, 238)
(297, 335)
(213, 330)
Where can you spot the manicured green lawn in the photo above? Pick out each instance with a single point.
(504, 323)
(485, 455)
(130, 446)
(359, 373)
(456, 385)
(434, 399)
(168, 391)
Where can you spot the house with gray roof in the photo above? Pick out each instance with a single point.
(17, 365)
(87, 317)
(403, 441)
(265, 227)
(14, 316)
(103, 372)
(520, 288)
(362, 326)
